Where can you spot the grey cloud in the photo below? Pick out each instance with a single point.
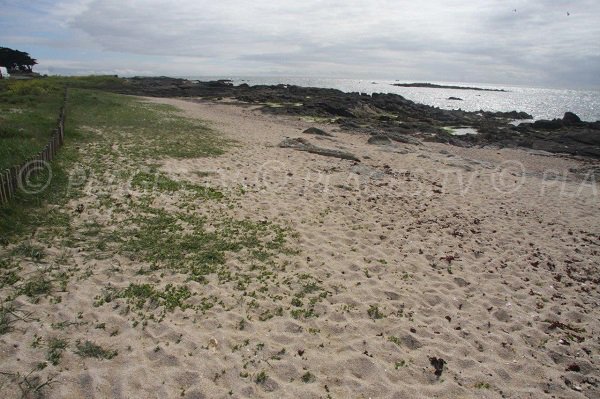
(437, 40)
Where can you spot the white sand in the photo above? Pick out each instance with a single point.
(464, 261)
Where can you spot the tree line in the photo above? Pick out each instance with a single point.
(16, 61)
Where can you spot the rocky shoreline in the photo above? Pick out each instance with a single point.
(390, 115)
(434, 86)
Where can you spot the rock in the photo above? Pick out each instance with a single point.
(461, 282)
(502, 315)
(455, 99)
(403, 138)
(410, 342)
(571, 119)
(544, 124)
(438, 365)
(368, 172)
(379, 140)
(317, 131)
(301, 144)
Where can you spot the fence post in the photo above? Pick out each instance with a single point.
(3, 196)
(13, 180)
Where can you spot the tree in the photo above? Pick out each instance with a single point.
(16, 61)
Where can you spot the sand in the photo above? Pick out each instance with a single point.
(485, 258)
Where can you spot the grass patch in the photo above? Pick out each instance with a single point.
(56, 347)
(308, 377)
(132, 132)
(90, 349)
(29, 250)
(36, 287)
(28, 113)
(156, 181)
(374, 312)
(170, 298)
(261, 377)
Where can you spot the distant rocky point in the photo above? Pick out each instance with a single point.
(434, 86)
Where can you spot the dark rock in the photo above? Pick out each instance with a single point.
(317, 131)
(438, 365)
(301, 144)
(379, 140)
(570, 119)
(455, 99)
(544, 124)
(509, 115)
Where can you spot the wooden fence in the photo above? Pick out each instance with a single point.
(13, 179)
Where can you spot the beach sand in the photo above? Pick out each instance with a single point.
(486, 259)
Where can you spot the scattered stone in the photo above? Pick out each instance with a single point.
(317, 131)
(410, 342)
(461, 282)
(502, 315)
(438, 364)
(301, 144)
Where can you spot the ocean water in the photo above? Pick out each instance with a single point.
(539, 102)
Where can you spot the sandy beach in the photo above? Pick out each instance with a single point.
(422, 271)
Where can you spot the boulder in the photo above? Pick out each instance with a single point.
(544, 124)
(379, 140)
(455, 99)
(571, 119)
(401, 138)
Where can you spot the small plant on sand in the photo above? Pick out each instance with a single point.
(308, 377)
(29, 250)
(90, 349)
(261, 377)
(36, 287)
(374, 312)
(56, 347)
(482, 385)
(399, 364)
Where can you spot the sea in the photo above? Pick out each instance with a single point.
(541, 103)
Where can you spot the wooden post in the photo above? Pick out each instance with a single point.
(3, 196)
(11, 182)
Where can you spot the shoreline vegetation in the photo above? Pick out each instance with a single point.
(210, 240)
(436, 86)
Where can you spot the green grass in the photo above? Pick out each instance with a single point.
(28, 115)
(261, 377)
(36, 286)
(56, 347)
(90, 349)
(170, 298)
(95, 121)
(374, 312)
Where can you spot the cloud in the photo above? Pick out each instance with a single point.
(436, 39)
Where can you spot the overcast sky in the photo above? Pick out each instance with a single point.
(434, 40)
